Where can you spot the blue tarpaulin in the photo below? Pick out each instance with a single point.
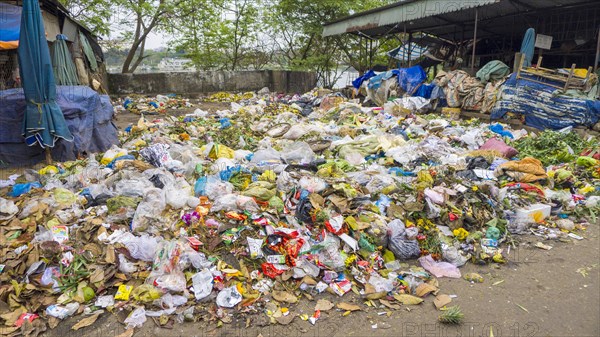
(359, 81)
(10, 23)
(410, 80)
(43, 122)
(543, 106)
(88, 116)
(528, 47)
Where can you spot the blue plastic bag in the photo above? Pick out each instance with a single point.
(200, 186)
(400, 172)
(497, 128)
(19, 189)
(225, 123)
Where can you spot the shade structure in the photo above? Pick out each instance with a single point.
(64, 68)
(528, 47)
(43, 122)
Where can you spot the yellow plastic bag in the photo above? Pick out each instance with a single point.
(221, 151)
(123, 292)
(50, 169)
(146, 293)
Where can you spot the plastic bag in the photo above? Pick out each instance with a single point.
(146, 293)
(261, 190)
(439, 269)
(499, 145)
(137, 318)
(298, 153)
(452, 255)
(133, 187)
(149, 210)
(380, 283)
(202, 283)
(141, 247)
(125, 266)
(285, 182)
(399, 243)
(266, 155)
(296, 131)
(19, 189)
(8, 209)
(177, 194)
(166, 272)
(312, 184)
(229, 297)
(234, 202)
(156, 154)
(330, 255)
(216, 188)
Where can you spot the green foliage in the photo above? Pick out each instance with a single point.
(240, 34)
(552, 147)
(93, 14)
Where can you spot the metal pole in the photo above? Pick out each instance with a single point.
(409, 48)
(404, 37)
(597, 52)
(474, 41)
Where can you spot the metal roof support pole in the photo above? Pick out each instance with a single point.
(474, 40)
(410, 37)
(404, 37)
(597, 52)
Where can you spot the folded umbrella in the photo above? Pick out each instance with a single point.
(44, 121)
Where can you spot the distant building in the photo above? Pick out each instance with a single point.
(170, 64)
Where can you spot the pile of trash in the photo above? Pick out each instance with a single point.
(159, 104)
(246, 212)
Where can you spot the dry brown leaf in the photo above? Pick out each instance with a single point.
(348, 306)
(408, 299)
(97, 276)
(389, 304)
(85, 322)
(110, 254)
(284, 296)
(376, 296)
(11, 317)
(285, 320)
(127, 333)
(442, 300)
(424, 289)
(323, 305)
(309, 280)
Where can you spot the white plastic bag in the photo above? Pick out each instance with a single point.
(177, 194)
(298, 153)
(137, 318)
(203, 284)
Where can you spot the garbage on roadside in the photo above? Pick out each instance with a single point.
(285, 198)
(159, 104)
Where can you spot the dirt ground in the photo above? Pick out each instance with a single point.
(537, 293)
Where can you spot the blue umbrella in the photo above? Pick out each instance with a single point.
(528, 46)
(44, 122)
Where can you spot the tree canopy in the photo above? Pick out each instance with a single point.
(237, 34)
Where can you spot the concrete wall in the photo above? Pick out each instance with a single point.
(191, 84)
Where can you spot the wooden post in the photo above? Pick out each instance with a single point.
(474, 40)
(48, 156)
(570, 76)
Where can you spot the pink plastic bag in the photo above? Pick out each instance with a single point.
(439, 269)
(500, 146)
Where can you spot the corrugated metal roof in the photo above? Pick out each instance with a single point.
(439, 18)
(400, 12)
